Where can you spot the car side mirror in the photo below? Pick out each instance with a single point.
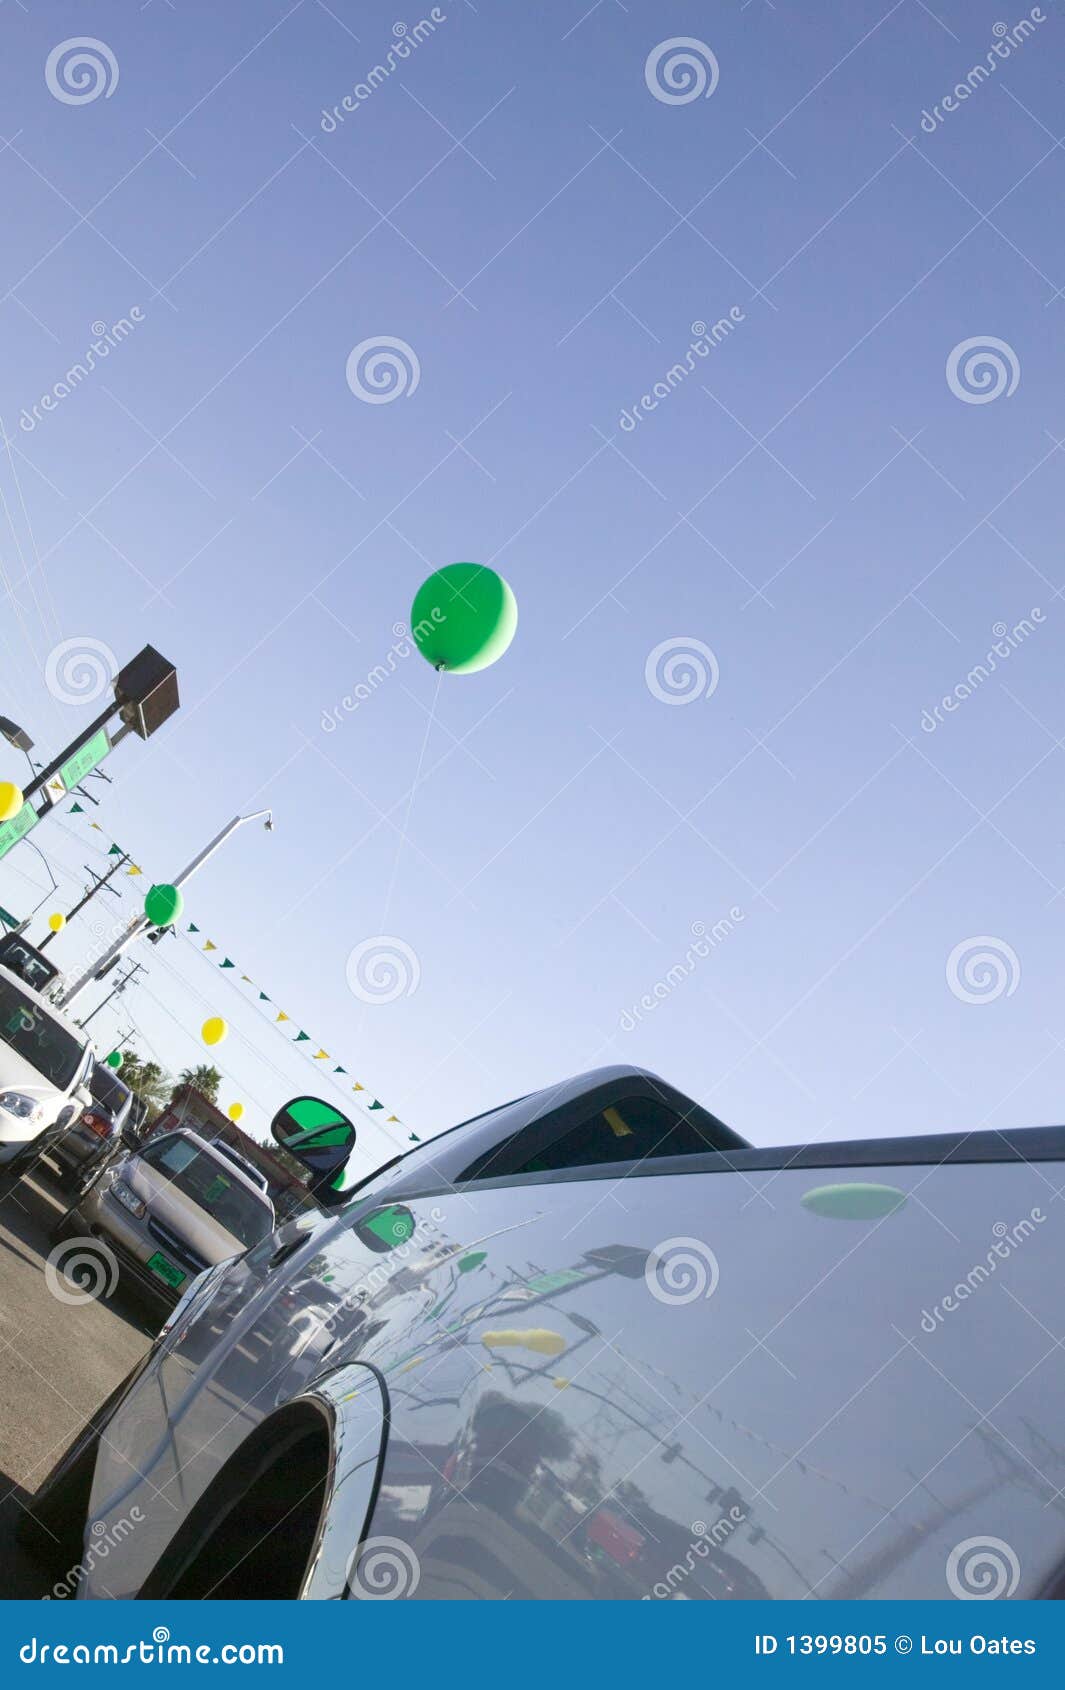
(319, 1137)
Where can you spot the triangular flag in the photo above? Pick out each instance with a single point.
(263, 998)
(393, 1117)
(56, 786)
(76, 810)
(248, 978)
(339, 1070)
(193, 927)
(321, 1056)
(116, 851)
(300, 1035)
(96, 825)
(282, 1016)
(133, 869)
(358, 1086)
(415, 1139)
(225, 963)
(209, 945)
(376, 1104)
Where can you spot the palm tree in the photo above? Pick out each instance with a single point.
(148, 1079)
(204, 1078)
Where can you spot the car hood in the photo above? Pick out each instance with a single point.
(205, 1236)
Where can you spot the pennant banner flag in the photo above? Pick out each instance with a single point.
(320, 1054)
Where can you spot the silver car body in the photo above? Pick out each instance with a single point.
(815, 1372)
(175, 1228)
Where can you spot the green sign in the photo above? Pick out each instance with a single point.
(7, 918)
(85, 758)
(11, 832)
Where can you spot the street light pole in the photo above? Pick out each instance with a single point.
(139, 923)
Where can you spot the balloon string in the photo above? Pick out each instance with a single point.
(410, 796)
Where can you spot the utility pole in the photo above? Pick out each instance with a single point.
(99, 884)
(120, 987)
(139, 923)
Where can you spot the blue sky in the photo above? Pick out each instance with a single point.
(814, 503)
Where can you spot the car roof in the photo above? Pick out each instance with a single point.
(46, 1004)
(212, 1150)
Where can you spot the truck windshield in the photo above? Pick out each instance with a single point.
(55, 1052)
(209, 1183)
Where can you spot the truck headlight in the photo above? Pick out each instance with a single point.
(128, 1199)
(17, 1103)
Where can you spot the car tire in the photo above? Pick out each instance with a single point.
(52, 1527)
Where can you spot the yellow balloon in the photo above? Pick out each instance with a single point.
(10, 800)
(57, 922)
(214, 1030)
(235, 1111)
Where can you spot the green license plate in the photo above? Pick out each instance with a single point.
(166, 1270)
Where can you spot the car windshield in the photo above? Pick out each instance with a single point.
(209, 1183)
(53, 1050)
(107, 1089)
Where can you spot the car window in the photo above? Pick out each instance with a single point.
(108, 1089)
(634, 1129)
(201, 1176)
(620, 1123)
(55, 1052)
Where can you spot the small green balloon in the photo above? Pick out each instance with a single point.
(856, 1201)
(115, 1059)
(163, 905)
(463, 618)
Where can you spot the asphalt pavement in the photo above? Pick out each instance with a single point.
(59, 1359)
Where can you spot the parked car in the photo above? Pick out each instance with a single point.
(45, 1061)
(594, 1345)
(78, 1149)
(168, 1211)
(29, 963)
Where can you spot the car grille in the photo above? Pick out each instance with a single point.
(175, 1247)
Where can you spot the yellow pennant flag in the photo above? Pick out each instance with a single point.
(393, 1117)
(97, 826)
(133, 869)
(321, 1055)
(358, 1086)
(209, 945)
(281, 1016)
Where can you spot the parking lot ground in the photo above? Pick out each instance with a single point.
(58, 1361)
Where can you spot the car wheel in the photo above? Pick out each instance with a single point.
(52, 1528)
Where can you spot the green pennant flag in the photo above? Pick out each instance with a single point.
(376, 1104)
(339, 1070)
(263, 998)
(415, 1139)
(116, 851)
(225, 963)
(75, 810)
(300, 1035)
(193, 927)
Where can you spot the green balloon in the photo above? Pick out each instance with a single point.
(856, 1201)
(463, 618)
(115, 1059)
(163, 905)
